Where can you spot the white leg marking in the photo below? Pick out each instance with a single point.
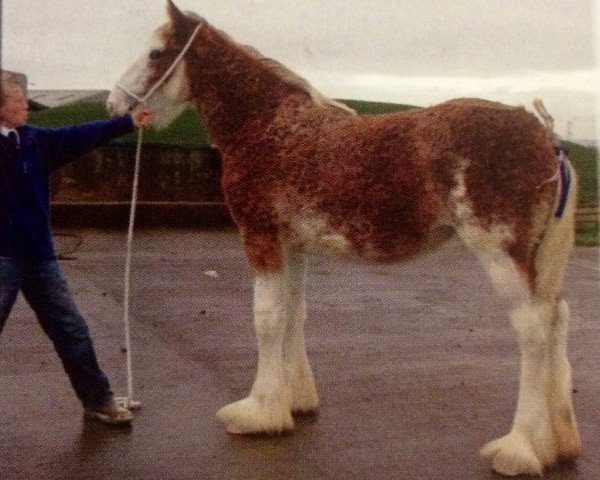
(566, 432)
(530, 445)
(544, 428)
(267, 408)
(303, 391)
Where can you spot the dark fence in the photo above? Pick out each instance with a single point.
(177, 187)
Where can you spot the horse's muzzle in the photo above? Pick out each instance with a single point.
(122, 101)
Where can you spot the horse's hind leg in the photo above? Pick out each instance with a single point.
(551, 262)
(530, 445)
(564, 424)
(544, 428)
(303, 392)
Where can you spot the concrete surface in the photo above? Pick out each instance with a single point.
(415, 363)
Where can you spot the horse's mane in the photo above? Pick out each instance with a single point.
(287, 75)
(291, 78)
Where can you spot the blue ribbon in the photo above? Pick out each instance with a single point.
(565, 179)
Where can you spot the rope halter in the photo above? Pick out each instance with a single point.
(165, 76)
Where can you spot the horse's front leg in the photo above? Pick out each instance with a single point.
(267, 407)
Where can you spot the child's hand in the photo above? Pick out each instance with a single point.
(141, 118)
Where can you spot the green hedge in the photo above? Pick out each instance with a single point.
(185, 131)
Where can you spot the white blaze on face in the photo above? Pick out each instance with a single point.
(168, 100)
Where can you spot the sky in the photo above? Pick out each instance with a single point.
(419, 52)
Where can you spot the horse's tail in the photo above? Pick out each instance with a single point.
(547, 119)
(550, 264)
(559, 236)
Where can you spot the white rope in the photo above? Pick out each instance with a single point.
(128, 401)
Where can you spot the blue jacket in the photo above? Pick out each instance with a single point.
(25, 231)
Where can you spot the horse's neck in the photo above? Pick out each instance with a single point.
(236, 93)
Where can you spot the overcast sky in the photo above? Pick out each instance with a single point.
(410, 51)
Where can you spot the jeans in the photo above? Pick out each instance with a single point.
(46, 291)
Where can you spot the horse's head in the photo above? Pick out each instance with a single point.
(144, 81)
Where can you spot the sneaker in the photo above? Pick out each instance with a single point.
(110, 414)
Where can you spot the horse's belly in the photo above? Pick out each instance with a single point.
(317, 235)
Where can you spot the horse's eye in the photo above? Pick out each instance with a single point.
(156, 54)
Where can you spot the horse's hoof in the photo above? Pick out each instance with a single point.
(249, 416)
(305, 400)
(513, 455)
(567, 437)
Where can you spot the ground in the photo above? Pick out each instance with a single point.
(415, 363)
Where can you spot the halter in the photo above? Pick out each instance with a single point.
(166, 75)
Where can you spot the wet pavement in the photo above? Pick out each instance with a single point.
(416, 367)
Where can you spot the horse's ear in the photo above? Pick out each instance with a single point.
(176, 16)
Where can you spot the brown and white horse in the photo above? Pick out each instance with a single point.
(302, 172)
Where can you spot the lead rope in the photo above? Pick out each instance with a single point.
(128, 401)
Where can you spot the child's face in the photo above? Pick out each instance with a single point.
(14, 109)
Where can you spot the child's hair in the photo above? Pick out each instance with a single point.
(8, 81)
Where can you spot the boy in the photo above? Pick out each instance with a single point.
(27, 259)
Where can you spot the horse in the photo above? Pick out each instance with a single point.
(303, 173)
